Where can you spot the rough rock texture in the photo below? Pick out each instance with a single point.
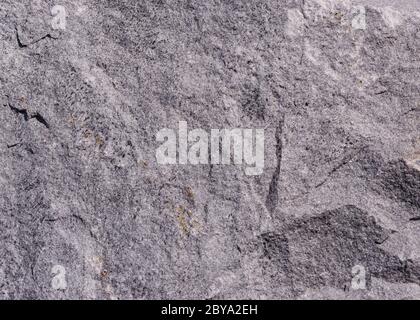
(86, 211)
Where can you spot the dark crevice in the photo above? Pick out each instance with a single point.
(9, 146)
(40, 119)
(302, 9)
(409, 111)
(79, 218)
(23, 112)
(28, 117)
(26, 45)
(21, 45)
(273, 192)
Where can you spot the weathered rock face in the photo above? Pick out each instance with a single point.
(86, 210)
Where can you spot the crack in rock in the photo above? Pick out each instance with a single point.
(27, 45)
(26, 116)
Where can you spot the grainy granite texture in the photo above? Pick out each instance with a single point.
(86, 212)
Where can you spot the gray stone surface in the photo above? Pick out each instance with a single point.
(86, 212)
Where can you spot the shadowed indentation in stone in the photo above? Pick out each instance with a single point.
(321, 251)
